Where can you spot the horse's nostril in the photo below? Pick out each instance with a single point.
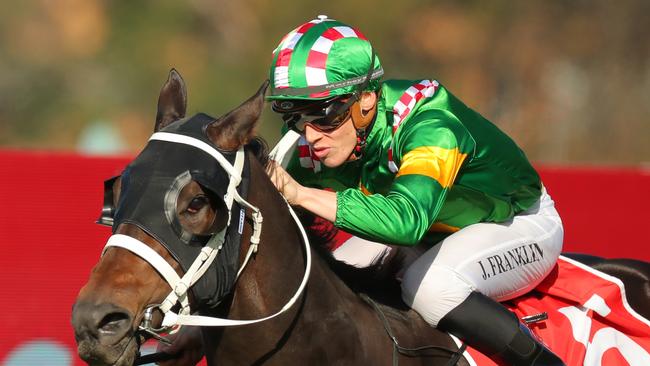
(113, 323)
(106, 323)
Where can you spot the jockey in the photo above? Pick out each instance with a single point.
(405, 162)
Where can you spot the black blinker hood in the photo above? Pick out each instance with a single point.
(150, 187)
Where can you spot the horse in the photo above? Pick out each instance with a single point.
(329, 323)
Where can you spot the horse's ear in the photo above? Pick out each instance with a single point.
(172, 101)
(237, 127)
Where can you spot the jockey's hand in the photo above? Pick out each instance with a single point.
(289, 188)
(187, 343)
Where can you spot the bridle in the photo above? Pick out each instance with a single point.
(172, 321)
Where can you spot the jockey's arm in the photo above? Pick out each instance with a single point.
(428, 148)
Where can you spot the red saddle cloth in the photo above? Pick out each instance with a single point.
(590, 323)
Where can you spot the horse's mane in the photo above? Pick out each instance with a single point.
(260, 150)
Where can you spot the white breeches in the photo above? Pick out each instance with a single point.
(501, 260)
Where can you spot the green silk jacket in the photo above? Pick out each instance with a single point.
(431, 166)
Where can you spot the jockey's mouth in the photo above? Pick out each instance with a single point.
(321, 152)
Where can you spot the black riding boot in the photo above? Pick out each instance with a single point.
(492, 329)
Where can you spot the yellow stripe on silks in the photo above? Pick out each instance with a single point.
(436, 162)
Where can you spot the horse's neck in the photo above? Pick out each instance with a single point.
(275, 272)
(269, 279)
(273, 275)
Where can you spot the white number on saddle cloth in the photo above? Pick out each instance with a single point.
(603, 339)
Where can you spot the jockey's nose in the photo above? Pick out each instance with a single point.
(312, 134)
(107, 323)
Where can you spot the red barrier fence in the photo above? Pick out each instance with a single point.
(604, 210)
(49, 203)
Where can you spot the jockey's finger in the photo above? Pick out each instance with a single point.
(282, 181)
(272, 168)
(272, 171)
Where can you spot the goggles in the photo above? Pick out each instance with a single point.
(325, 116)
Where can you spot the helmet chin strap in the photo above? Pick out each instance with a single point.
(363, 123)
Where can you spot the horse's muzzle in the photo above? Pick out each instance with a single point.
(104, 334)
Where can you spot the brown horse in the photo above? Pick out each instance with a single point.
(329, 324)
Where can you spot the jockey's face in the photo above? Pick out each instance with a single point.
(335, 147)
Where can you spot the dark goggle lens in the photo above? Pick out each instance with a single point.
(298, 122)
(325, 118)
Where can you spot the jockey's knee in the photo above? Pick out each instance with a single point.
(434, 291)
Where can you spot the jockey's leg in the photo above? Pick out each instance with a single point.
(456, 285)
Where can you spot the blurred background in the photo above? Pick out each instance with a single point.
(569, 80)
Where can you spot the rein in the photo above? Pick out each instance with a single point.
(180, 286)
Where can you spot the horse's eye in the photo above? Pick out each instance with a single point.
(197, 203)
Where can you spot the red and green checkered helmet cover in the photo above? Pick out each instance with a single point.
(321, 59)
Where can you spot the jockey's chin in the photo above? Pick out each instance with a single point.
(331, 161)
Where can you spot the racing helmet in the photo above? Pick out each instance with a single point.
(323, 59)
(320, 63)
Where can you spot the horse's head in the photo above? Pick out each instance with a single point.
(174, 200)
